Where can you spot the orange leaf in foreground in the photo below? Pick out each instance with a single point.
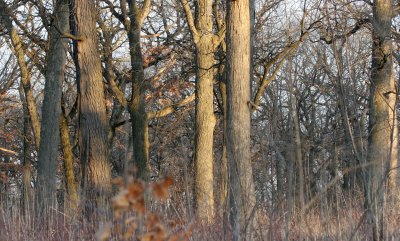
(160, 190)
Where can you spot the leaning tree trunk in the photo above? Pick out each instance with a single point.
(6, 19)
(382, 116)
(51, 110)
(241, 190)
(93, 123)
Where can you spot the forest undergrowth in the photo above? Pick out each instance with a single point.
(145, 212)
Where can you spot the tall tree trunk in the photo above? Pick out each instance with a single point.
(298, 160)
(137, 106)
(382, 115)
(27, 194)
(205, 119)
(206, 43)
(93, 123)
(241, 191)
(51, 111)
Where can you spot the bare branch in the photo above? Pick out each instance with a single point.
(170, 109)
(8, 151)
(190, 20)
(144, 12)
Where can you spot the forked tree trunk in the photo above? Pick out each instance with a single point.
(206, 43)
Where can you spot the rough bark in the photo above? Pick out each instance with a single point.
(382, 115)
(27, 194)
(92, 119)
(51, 110)
(241, 186)
(206, 42)
(204, 119)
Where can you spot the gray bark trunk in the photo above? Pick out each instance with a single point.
(51, 110)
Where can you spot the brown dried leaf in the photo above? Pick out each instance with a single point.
(135, 189)
(147, 237)
(130, 232)
(120, 201)
(118, 181)
(3, 177)
(152, 220)
(160, 190)
(139, 205)
(104, 232)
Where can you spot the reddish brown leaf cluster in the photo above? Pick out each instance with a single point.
(3, 177)
(130, 198)
(160, 189)
(131, 201)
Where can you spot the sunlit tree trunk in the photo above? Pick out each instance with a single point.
(205, 119)
(206, 43)
(241, 186)
(382, 116)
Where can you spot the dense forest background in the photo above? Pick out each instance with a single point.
(199, 120)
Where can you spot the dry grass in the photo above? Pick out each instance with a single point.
(133, 220)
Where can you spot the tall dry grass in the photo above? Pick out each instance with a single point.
(144, 212)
